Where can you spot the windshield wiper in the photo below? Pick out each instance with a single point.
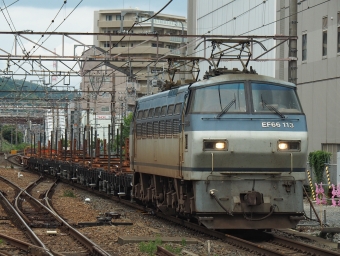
(272, 108)
(226, 108)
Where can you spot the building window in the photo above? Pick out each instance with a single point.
(108, 17)
(105, 109)
(339, 32)
(119, 17)
(324, 35)
(304, 47)
(106, 44)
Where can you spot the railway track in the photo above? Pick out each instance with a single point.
(271, 245)
(18, 220)
(42, 223)
(14, 160)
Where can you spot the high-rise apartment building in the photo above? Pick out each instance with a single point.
(135, 52)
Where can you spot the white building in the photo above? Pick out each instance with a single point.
(227, 17)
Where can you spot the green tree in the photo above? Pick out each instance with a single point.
(126, 131)
(9, 132)
(126, 126)
(318, 160)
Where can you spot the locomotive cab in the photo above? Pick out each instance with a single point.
(229, 151)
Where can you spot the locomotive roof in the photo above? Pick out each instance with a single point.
(219, 79)
(241, 77)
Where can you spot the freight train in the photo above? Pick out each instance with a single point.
(228, 152)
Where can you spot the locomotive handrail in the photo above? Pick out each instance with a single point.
(248, 118)
(266, 173)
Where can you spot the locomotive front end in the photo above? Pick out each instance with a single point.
(246, 153)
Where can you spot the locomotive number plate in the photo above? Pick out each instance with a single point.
(277, 124)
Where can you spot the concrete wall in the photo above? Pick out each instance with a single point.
(226, 17)
(318, 76)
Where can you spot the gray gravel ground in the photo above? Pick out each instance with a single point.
(329, 216)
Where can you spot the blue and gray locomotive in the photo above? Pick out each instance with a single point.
(229, 150)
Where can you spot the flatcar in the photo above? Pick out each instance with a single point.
(229, 151)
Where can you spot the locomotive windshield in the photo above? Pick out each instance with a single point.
(274, 98)
(220, 99)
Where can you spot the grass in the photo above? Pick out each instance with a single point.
(69, 193)
(7, 147)
(151, 247)
(173, 249)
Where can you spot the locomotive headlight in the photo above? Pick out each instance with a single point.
(283, 146)
(218, 145)
(294, 145)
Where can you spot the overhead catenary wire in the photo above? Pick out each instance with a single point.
(8, 5)
(9, 24)
(60, 23)
(139, 72)
(27, 53)
(50, 24)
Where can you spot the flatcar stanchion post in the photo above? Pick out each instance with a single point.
(79, 134)
(56, 140)
(121, 145)
(34, 143)
(44, 140)
(31, 144)
(117, 148)
(91, 146)
(109, 149)
(72, 146)
(51, 144)
(84, 145)
(65, 143)
(95, 142)
(39, 144)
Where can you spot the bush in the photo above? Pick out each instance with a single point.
(317, 160)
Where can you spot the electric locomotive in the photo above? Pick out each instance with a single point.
(229, 151)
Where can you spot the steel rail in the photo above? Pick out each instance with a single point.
(27, 247)
(89, 244)
(163, 252)
(308, 249)
(18, 215)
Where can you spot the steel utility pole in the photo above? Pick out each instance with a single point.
(292, 64)
(113, 105)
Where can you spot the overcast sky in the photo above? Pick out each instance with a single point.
(37, 15)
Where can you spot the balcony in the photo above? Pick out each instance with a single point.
(116, 38)
(142, 50)
(114, 24)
